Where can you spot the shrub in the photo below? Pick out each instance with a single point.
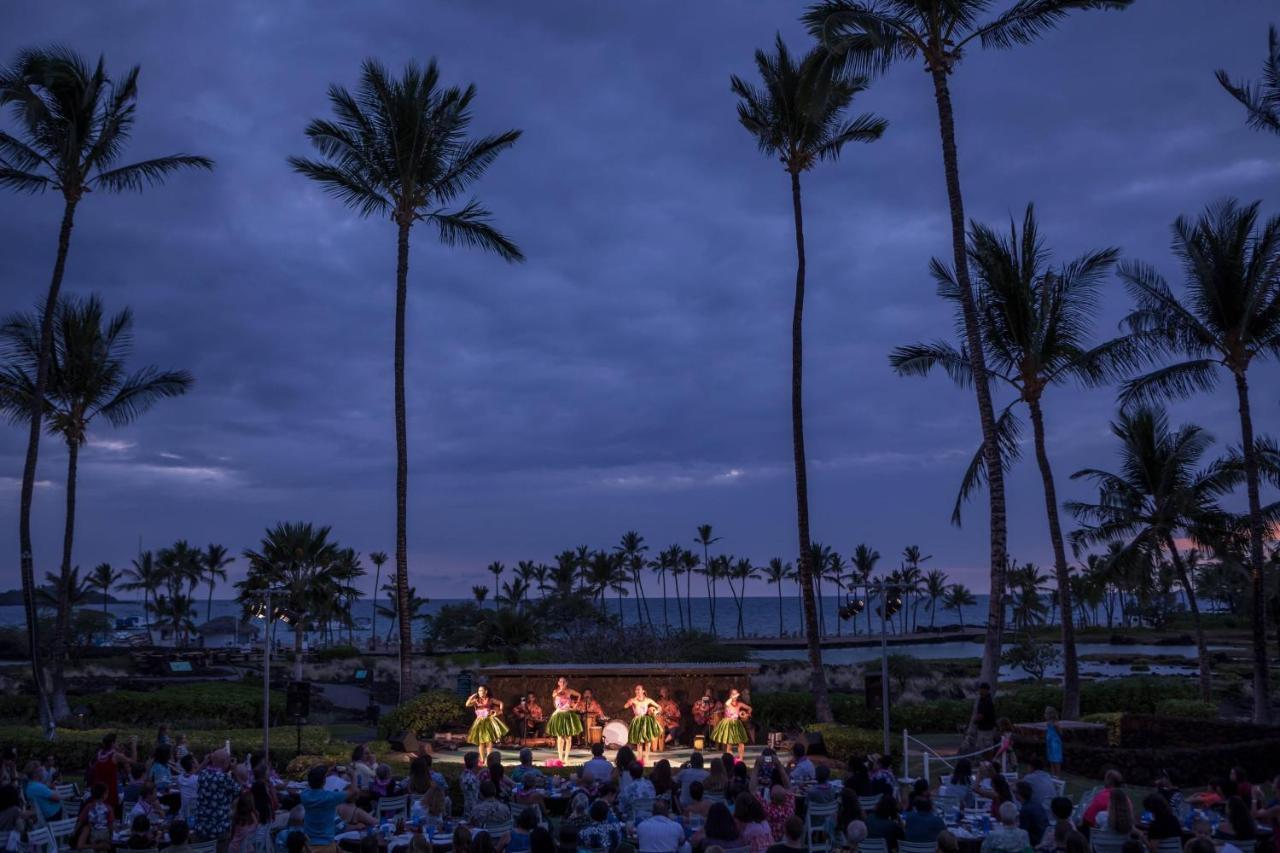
(219, 704)
(332, 653)
(1188, 708)
(75, 748)
(847, 743)
(1111, 720)
(426, 713)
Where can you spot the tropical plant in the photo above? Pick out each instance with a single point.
(958, 598)
(87, 378)
(103, 578)
(1261, 101)
(379, 559)
(215, 562)
(496, 569)
(298, 557)
(869, 36)
(507, 630)
(1158, 495)
(71, 126)
(935, 589)
(706, 540)
(400, 148)
(479, 592)
(144, 576)
(797, 115)
(1034, 319)
(631, 550)
(778, 572)
(1228, 318)
(864, 561)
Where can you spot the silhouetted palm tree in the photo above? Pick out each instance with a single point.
(87, 378)
(778, 572)
(869, 36)
(103, 578)
(399, 148)
(797, 115)
(1156, 496)
(378, 558)
(144, 576)
(864, 564)
(216, 559)
(958, 598)
(935, 589)
(1261, 101)
(496, 569)
(1035, 320)
(1228, 319)
(706, 540)
(72, 124)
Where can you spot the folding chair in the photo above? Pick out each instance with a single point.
(393, 807)
(819, 821)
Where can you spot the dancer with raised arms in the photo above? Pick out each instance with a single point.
(730, 732)
(488, 728)
(564, 724)
(644, 724)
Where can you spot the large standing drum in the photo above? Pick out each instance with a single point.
(615, 734)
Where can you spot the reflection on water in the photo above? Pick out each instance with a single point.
(961, 650)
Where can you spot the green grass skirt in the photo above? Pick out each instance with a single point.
(643, 729)
(728, 732)
(564, 724)
(487, 730)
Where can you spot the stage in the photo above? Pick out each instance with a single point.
(541, 755)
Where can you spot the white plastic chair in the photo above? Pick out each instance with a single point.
(62, 832)
(1245, 846)
(914, 847)
(869, 803)
(1059, 787)
(41, 838)
(1169, 845)
(873, 845)
(205, 847)
(67, 791)
(819, 821)
(1107, 842)
(499, 830)
(393, 807)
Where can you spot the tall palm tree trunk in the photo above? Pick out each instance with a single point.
(402, 463)
(818, 679)
(26, 560)
(373, 623)
(62, 625)
(1257, 601)
(297, 651)
(990, 671)
(1070, 665)
(779, 607)
(1202, 650)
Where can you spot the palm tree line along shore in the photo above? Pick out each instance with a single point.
(400, 147)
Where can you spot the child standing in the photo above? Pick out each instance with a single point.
(1052, 741)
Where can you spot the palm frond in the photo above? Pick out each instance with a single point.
(471, 226)
(1174, 381)
(1027, 20)
(1008, 434)
(1262, 100)
(137, 176)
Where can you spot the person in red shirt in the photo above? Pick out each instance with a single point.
(1102, 800)
(105, 769)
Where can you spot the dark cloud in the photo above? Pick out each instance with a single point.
(634, 373)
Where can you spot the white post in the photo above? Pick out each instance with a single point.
(266, 681)
(925, 753)
(906, 756)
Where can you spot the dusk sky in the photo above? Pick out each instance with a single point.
(634, 372)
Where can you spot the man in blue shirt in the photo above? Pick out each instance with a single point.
(41, 795)
(1032, 817)
(921, 825)
(321, 809)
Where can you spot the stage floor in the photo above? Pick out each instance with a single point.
(541, 755)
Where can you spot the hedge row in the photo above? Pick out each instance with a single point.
(426, 713)
(74, 749)
(793, 711)
(846, 743)
(218, 704)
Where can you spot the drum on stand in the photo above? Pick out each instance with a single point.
(594, 731)
(615, 733)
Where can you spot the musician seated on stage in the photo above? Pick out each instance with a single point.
(528, 715)
(589, 706)
(672, 729)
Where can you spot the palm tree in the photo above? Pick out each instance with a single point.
(958, 598)
(181, 569)
(1028, 584)
(1156, 496)
(86, 378)
(144, 575)
(864, 561)
(797, 114)
(667, 561)
(870, 36)
(103, 578)
(216, 560)
(706, 540)
(742, 571)
(300, 557)
(1034, 320)
(1261, 101)
(378, 558)
(913, 578)
(1229, 318)
(689, 564)
(72, 124)
(631, 550)
(777, 572)
(935, 588)
(480, 593)
(399, 148)
(496, 569)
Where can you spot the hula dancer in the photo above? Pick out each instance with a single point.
(565, 724)
(644, 725)
(730, 732)
(488, 728)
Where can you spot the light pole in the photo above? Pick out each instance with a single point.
(268, 615)
(890, 603)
